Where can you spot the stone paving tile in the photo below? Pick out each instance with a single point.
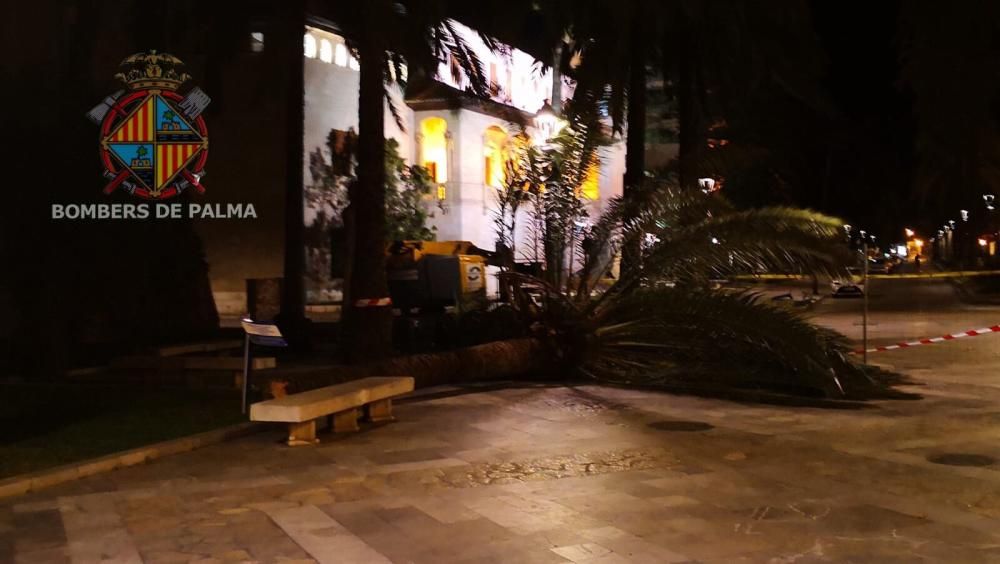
(553, 474)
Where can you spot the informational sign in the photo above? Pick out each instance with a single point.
(265, 334)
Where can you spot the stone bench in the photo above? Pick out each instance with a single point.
(342, 401)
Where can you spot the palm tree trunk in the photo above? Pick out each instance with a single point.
(293, 299)
(689, 107)
(635, 142)
(367, 331)
(500, 360)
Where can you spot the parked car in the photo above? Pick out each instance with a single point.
(878, 266)
(847, 289)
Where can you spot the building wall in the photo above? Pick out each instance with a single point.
(332, 82)
(246, 164)
(517, 79)
(254, 249)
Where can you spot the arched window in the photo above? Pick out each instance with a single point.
(310, 46)
(325, 51)
(434, 148)
(340, 56)
(494, 156)
(590, 189)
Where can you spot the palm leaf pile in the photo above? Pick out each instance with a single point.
(662, 324)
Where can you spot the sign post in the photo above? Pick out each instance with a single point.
(864, 316)
(262, 334)
(246, 371)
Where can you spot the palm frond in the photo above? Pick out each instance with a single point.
(766, 239)
(655, 331)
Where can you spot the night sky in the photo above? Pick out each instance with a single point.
(875, 110)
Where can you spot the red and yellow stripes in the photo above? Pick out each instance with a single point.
(140, 126)
(171, 157)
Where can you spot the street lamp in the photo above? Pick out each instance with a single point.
(909, 232)
(707, 185)
(548, 122)
(964, 214)
(988, 200)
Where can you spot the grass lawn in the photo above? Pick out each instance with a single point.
(45, 425)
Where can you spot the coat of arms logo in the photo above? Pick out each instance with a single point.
(154, 142)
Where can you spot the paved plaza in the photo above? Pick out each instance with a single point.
(586, 474)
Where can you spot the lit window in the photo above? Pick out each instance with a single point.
(340, 56)
(494, 156)
(257, 42)
(434, 148)
(589, 189)
(325, 51)
(353, 63)
(310, 46)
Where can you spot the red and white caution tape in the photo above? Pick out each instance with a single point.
(942, 338)
(373, 302)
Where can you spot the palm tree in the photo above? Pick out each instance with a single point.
(663, 324)
(385, 35)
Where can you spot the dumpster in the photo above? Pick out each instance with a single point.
(432, 275)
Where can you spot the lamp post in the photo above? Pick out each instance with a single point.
(950, 233)
(864, 314)
(989, 201)
(548, 123)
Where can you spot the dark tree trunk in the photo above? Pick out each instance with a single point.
(367, 331)
(635, 142)
(689, 107)
(293, 299)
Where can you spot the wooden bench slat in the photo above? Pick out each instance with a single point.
(305, 406)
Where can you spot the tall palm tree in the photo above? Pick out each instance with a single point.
(385, 35)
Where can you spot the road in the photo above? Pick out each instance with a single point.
(586, 474)
(904, 310)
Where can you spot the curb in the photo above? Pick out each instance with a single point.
(34, 481)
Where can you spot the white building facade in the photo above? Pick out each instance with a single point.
(458, 138)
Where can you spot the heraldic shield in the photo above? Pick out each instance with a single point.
(154, 142)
